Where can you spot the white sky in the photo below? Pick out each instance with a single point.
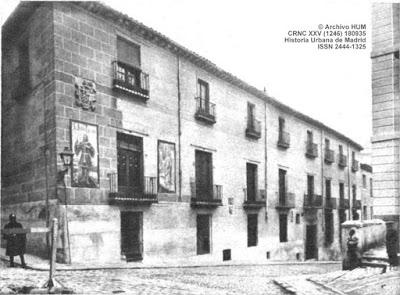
(246, 39)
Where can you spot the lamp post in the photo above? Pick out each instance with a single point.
(66, 156)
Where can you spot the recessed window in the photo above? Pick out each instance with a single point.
(364, 181)
(128, 52)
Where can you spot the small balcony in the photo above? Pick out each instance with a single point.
(286, 201)
(357, 204)
(344, 204)
(311, 150)
(342, 161)
(253, 129)
(254, 201)
(201, 199)
(329, 156)
(354, 166)
(330, 203)
(312, 202)
(131, 80)
(284, 139)
(205, 111)
(123, 196)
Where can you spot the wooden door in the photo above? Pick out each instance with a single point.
(203, 175)
(311, 242)
(203, 233)
(251, 175)
(132, 235)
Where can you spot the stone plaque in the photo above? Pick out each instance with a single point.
(85, 94)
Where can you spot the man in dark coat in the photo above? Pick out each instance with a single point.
(353, 255)
(16, 243)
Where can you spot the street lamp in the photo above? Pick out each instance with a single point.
(66, 156)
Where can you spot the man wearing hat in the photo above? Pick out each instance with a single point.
(16, 243)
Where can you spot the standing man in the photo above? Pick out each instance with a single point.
(392, 245)
(16, 243)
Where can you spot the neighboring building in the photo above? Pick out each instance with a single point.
(364, 205)
(174, 156)
(386, 105)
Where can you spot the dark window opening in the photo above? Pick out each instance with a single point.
(329, 230)
(341, 190)
(203, 175)
(328, 188)
(364, 181)
(310, 185)
(251, 180)
(226, 255)
(282, 186)
(252, 230)
(128, 52)
(283, 224)
(297, 218)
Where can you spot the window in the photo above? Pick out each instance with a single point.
(128, 52)
(310, 185)
(250, 113)
(251, 181)
(327, 144)
(341, 190)
(252, 230)
(283, 228)
(310, 137)
(364, 181)
(281, 125)
(203, 90)
(328, 227)
(370, 188)
(328, 188)
(354, 192)
(340, 149)
(297, 218)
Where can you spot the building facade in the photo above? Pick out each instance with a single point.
(385, 99)
(173, 156)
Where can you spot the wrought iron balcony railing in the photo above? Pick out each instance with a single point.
(206, 199)
(312, 201)
(253, 129)
(205, 111)
(131, 80)
(284, 139)
(331, 203)
(329, 156)
(311, 149)
(344, 203)
(342, 161)
(145, 195)
(255, 200)
(354, 165)
(285, 201)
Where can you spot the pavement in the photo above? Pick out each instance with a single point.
(38, 263)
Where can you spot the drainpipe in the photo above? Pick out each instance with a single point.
(179, 130)
(322, 183)
(349, 186)
(265, 160)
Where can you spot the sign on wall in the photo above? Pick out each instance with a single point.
(85, 169)
(166, 167)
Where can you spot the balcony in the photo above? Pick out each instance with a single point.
(329, 156)
(344, 204)
(284, 139)
(357, 204)
(354, 166)
(205, 111)
(342, 161)
(312, 202)
(330, 203)
(286, 201)
(255, 201)
(253, 129)
(212, 199)
(131, 80)
(311, 150)
(120, 196)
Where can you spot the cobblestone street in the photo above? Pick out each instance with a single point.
(195, 280)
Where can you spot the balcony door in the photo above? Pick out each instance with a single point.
(282, 186)
(251, 175)
(130, 165)
(204, 94)
(310, 186)
(203, 172)
(132, 235)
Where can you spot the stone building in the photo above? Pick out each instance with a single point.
(386, 106)
(173, 156)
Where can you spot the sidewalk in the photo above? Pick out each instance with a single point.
(38, 263)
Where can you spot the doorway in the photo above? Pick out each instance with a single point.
(203, 175)
(132, 235)
(311, 242)
(203, 223)
(252, 230)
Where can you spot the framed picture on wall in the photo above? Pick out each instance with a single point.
(166, 167)
(84, 143)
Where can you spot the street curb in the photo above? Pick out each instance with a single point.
(32, 267)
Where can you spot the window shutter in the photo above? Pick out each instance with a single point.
(128, 52)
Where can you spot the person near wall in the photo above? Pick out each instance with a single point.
(16, 243)
(392, 245)
(353, 255)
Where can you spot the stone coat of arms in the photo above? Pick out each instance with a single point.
(85, 94)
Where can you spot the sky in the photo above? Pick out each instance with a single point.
(246, 38)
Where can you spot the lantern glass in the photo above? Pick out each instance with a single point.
(66, 156)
